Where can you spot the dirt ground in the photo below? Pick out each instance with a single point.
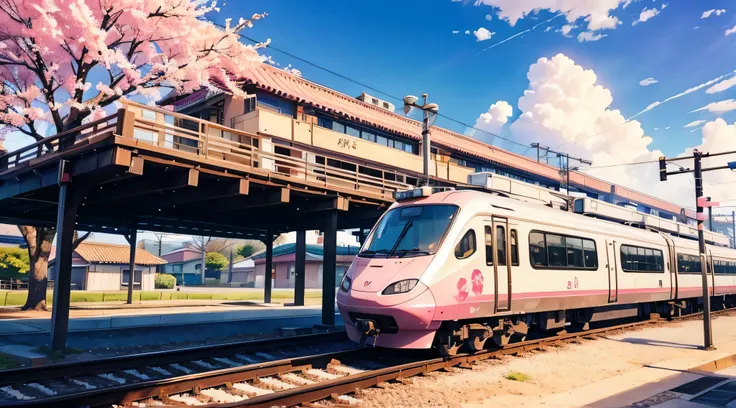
(526, 380)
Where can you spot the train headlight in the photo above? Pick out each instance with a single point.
(400, 286)
(345, 284)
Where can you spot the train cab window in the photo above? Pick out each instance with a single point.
(514, 248)
(688, 263)
(501, 245)
(638, 259)
(489, 245)
(555, 251)
(466, 247)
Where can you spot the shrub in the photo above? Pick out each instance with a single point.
(14, 263)
(517, 376)
(215, 261)
(165, 281)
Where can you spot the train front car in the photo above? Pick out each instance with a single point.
(385, 298)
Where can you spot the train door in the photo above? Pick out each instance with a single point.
(612, 271)
(499, 232)
(672, 266)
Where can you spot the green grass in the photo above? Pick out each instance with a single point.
(517, 376)
(18, 297)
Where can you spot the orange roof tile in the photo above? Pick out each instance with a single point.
(115, 254)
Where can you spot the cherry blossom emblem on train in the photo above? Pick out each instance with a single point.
(464, 287)
(477, 279)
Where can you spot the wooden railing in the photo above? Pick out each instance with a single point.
(59, 142)
(215, 142)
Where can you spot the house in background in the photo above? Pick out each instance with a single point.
(244, 274)
(284, 266)
(152, 246)
(102, 266)
(10, 236)
(185, 265)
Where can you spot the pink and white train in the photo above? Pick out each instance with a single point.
(463, 267)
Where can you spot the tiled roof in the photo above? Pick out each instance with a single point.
(287, 249)
(99, 252)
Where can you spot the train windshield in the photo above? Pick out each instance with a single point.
(409, 231)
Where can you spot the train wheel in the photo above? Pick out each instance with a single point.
(476, 343)
(448, 350)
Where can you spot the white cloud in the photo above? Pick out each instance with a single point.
(667, 128)
(695, 123)
(708, 13)
(627, 3)
(489, 17)
(482, 34)
(696, 27)
(597, 13)
(645, 15)
(722, 86)
(492, 120)
(718, 107)
(681, 94)
(548, 29)
(564, 105)
(648, 81)
(731, 31)
(565, 30)
(590, 36)
(655, 129)
(455, 31)
(467, 31)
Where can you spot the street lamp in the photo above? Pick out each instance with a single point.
(430, 114)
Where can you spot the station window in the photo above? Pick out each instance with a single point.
(688, 263)
(638, 259)
(466, 247)
(557, 251)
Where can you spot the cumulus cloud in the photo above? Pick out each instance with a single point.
(695, 123)
(731, 31)
(645, 15)
(492, 120)
(722, 86)
(467, 31)
(718, 107)
(489, 17)
(482, 34)
(564, 105)
(565, 30)
(708, 13)
(586, 36)
(597, 13)
(648, 81)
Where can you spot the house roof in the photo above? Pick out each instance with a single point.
(313, 249)
(98, 252)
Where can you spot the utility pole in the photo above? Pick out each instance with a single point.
(564, 169)
(710, 216)
(700, 203)
(733, 227)
(430, 111)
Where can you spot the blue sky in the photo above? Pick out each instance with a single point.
(409, 47)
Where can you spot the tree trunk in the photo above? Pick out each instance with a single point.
(39, 249)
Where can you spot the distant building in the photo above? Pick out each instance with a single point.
(284, 266)
(375, 101)
(102, 266)
(185, 265)
(243, 274)
(10, 236)
(152, 246)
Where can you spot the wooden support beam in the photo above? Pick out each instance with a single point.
(176, 198)
(168, 180)
(279, 196)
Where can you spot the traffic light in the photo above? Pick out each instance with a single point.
(662, 169)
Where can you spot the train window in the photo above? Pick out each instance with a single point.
(575, 252)
(723, 267)
(489, 245)
(561, 251)
(501, 245)
(538, 249)
(638, 259)
(591, 257)
(556, 250)
(466, 247)
(514, 248)
(688, 264)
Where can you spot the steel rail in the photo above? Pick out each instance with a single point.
(108, 364)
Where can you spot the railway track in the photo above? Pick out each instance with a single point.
(320, 372)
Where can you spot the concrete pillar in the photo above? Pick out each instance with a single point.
(69, 200)
(269, 268)
(132, 237)
(300, 267)
(329, 268)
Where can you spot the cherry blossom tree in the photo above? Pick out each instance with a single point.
(64, 61)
